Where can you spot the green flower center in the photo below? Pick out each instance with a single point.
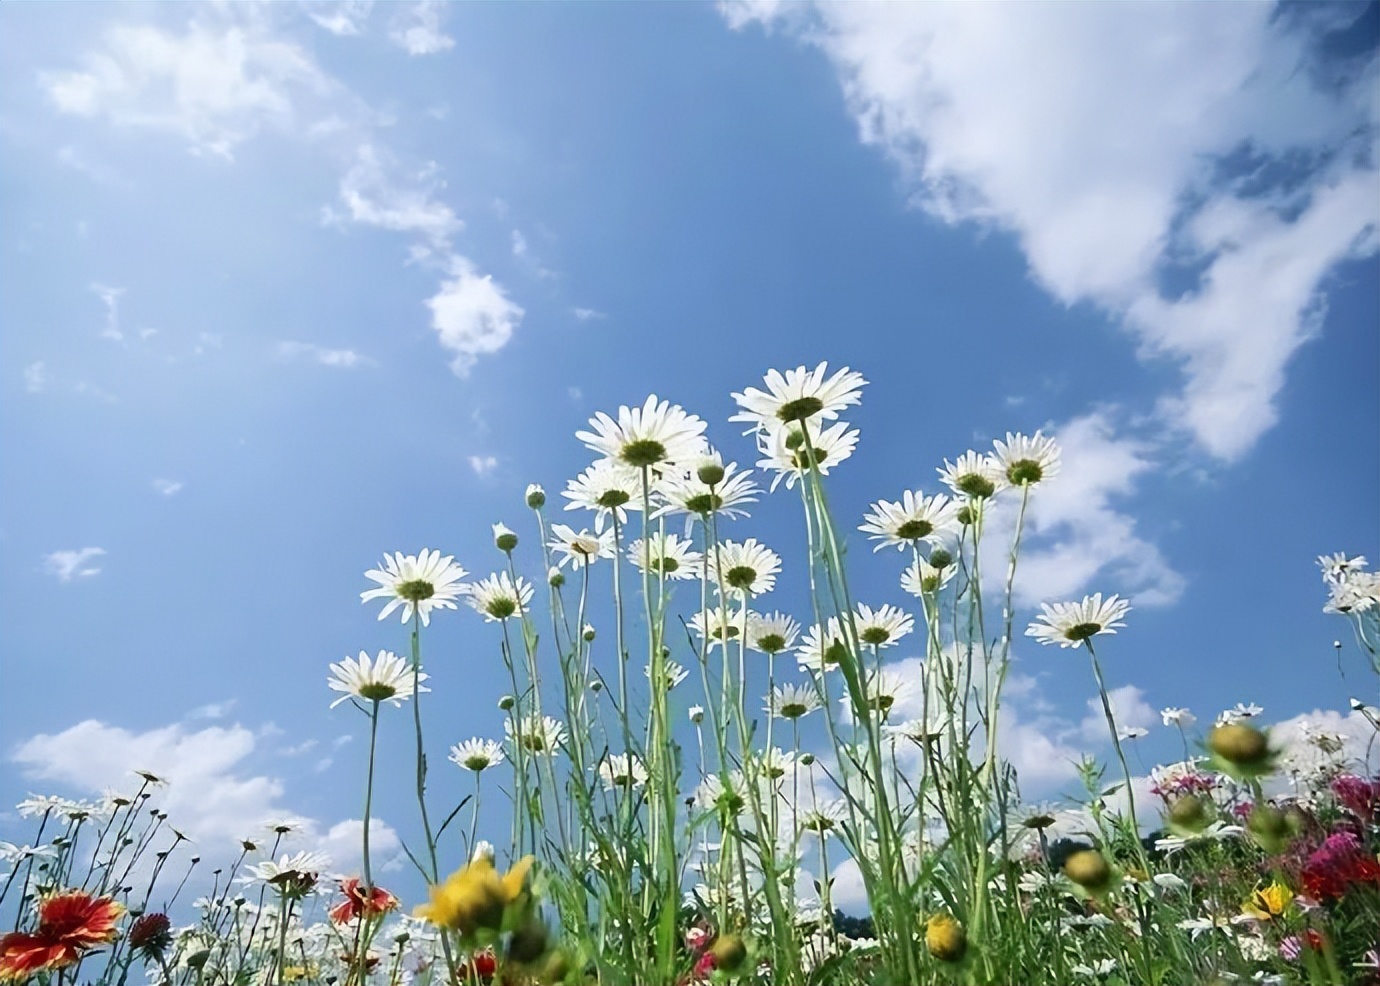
(793, 710)
(913, 530)
(940, 558)
(477, 762)
(1082, 631)
(643, 452)
(415, 590)
(835, 652)
(771, 643)
(929, 584)
(704, 503)
(976, 484)
(719, 632)
(1038, 822)
(741, 576)
(501, 608)
(799, 409)
(730, 802)
(665, 565)
(875, 635)
(613, 498)
(377, 691)
(966, 515)
(801, 459)
(1024, 471)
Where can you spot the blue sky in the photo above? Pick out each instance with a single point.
(287, 287)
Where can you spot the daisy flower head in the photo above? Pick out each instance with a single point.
(1177, 717)
(884, 626)
(973, 475)
(608, 487)
(772, 634)
(654, 434)
(823, 817)
(790, 701)
(1069, 624)
(477, 754)
(1336, 567)
(685, 491)
(292, 876)
(748, 567)
(580, 549)
(772, 764)
(914, 518)
(669, 556)
(885, 688)
(418, 583)
(798, 395)
(497, 597)
(1354, 592)
(1027, 461)
(718, 624)
(725, 795)
(387, 678)
(822, 649)
(921, 578)
(622, 770)
(537, 734)
(787, 452)
(675, 674)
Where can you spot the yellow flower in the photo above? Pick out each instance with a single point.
(945, 939)
(476, 896)
(1268, 903)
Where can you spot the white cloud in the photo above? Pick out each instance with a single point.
(35, 377)
(101, 174)
(519, 243)
(375, 195)
(585, 314)
(340, 358)
(69, 565)
(1075, 534)
(214, 85)
(417, 30)
(210, 794)
(472, 315)
(1097, 136)
(1129, 710)
(110, 298)
(343, 19)
(167, 487)
(207, 341)
(213, 710)
(483, 464)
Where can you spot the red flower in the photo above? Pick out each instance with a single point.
(151, 933)
(1337, 864)
(482, 967)
(68, 925)
(356, 902)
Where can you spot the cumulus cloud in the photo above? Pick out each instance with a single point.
(69, 565)
(472, 315)
(213, 85)
(343, 359)
(417, 29)
(1193, 170)
(1130, 710)
(210, 793)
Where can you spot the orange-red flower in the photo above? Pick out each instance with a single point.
(376, 902)
(68, 925)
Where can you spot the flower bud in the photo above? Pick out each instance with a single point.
(697, 714)
(1241, 750)
(504, 539)
(1188, 814)
(806, 759)
(1269, 828)
(536, 496)
(555, 577)
(710, 473)
(506, 702)
(1090, 870)
(941, 558)
(729, 952)
(588, 633)
(945, 938)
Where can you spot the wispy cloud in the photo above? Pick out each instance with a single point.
(472, 315)
(417, 30)
(1227, 216)
(519, 243)
(377, 192)
(343, 19)
(585, 314)
(35, 377)
(213, 710)
(69, 565)
(483, 465)
(167, 487)
(110, 298)
(339, 358)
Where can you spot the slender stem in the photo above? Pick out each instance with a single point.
(369, 796)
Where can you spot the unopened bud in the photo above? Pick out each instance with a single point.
(1089, 869)
(588, 633)
(506, 702)
(941, 558)
(504, 539)
(710, 473)
(536, 496)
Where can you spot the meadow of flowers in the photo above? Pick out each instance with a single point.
(684, 778)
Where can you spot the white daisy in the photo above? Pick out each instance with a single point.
(818, 652)
(387, 678)
(623, 770)
(772, 634)
(973, 475)
(477, 754)
(1069, 624)
(915, 518)
(1241, 713)
(790, 701)
(668, 555)
(823, 818)
(1336, 567)
(884, 626)
(685, 492)
(675, 674)
(420, 583)
(300, 867)
(580, 549)
(748, 567)
(497, 598)
(608, 487)
(654, 434)
(1027, 460)
(1132, 732)
(919, 731)
(773, 764)
(721, 624)
(542, 735)
(921, 578)
(1357, 592)
(1177, 717)
(784, 450)
(799, 395)
(722, 795)
(885, 689)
